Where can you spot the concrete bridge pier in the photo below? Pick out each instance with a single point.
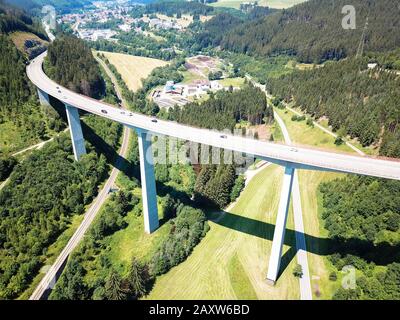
(75, 128)
(280, 226)
(43, 98)
(149, 194)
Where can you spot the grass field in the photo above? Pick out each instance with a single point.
(234, 82)
(231, 261)
(133, 241)
(10, 138)
(19, 39)
(277, 4)
(189, 77)
(311, 203)
(303, 134)
(133, 68)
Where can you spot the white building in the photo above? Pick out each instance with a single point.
(125, 27)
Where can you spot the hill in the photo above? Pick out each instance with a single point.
(313, 32)
(70, 62)
(358, 101)
(14, 19)
(35, 6)
(22, 120)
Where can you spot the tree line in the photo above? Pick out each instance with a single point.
(14, 19)
(362, 215)
(43, 194)
(359, 102)
(226, 108)
(218, 185)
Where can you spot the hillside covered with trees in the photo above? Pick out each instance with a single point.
(22, 120)
(358, 101)
(362, 215)
(312, 31)
(92, 271)
(70, 63)
(226, 108)
(44, 192)
(15, 19)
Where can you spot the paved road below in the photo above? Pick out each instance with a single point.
(50, 278)
(328, 132)
(305, 284)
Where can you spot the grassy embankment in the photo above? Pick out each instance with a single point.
(311, 202)
(231, 261)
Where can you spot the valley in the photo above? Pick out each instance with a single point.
(79, 189)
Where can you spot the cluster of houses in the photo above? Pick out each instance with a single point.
(103, 12)
(180, 94)
(96, 34)
(157, 23)
(196, 88)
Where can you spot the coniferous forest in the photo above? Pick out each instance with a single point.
(359, 102)
(70, 63)
(216, 183)
(312, 31)
(20, 112)
(363, 218)
(48, 189)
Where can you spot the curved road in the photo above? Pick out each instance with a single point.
(302, 158)
(49, 280)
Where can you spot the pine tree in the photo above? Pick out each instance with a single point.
(137, 278)
(113, 287)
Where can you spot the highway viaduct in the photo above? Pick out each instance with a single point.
(288, 157)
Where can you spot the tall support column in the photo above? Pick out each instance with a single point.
(280, 226)
(75, 128)
(149, 195)
(43, 98)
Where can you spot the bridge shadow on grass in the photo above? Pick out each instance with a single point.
(380, 254)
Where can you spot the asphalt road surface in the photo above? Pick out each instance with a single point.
(272, 152)
(305, 284)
